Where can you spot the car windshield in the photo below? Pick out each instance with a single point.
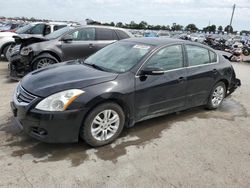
(58, 33)
(118, 57)
(24, 29)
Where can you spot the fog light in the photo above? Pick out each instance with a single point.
(39, 131)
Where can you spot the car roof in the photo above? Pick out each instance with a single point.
(100, 26)
(155, 41)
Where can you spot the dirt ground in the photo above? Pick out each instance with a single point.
(195, 148)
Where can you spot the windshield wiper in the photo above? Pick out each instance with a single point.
(81, 61)
(94, 66)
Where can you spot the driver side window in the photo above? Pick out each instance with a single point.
(38, 29)
(168, 58)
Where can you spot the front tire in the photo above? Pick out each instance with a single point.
(103, 124)
(5, 50)
(43, 60)
(216, 96)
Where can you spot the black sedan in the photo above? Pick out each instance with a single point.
(124, 83)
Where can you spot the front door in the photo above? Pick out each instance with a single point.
(159, 94)
(81, 46)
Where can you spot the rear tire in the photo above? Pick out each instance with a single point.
(103, 124)
(216, 96)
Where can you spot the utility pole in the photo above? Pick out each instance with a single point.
(232, 15)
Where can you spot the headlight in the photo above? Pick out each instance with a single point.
(26, 51)
(59, 101)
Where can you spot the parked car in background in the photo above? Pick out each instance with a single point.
(11, 26)
(62, 45)
(36, 28)
(197, 37)
(126, 82)
(150, 34)
(163, 34)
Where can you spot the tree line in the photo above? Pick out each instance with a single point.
(174, 27)
(143, 25)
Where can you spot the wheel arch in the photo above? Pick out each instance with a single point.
(43, 54)
(225, 81)
(101, 100)
(5, 45)
(54, 54)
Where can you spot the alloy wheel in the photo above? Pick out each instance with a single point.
(44, 62)
(105, 125)
(218, 96)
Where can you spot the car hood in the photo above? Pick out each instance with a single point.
(63, 76)
(7, 34)
(26, 39)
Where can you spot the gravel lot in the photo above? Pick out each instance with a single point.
(195, 148)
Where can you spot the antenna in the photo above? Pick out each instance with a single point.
(232, 15)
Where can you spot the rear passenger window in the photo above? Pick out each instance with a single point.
(105, 34)
(56, 27)
(213, 57)
(122, 34)
(197, 55)
(167, 58)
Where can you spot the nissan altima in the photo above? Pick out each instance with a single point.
(126, 82)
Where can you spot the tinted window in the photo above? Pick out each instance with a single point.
(58, 33)
(197, 55)
(37, 29)
(167, 58)
(56, 27)
(24, 29)
(213, 56)
(13, 26)
(84, 34)
(106, 34)
(122, 34)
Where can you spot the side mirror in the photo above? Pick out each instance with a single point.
(67, 38)
(152, 71)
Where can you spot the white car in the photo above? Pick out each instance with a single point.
(163, 34)
(36, 28)
(197, 38)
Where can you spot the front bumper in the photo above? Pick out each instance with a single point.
(49, 127)
(19, 66)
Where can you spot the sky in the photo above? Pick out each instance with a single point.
(155, 12)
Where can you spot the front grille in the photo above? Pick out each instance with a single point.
(23, 96)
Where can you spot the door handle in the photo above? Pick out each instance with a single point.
(181, 79)
(91, 45)
(214, 71)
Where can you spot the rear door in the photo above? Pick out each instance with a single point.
(201, 74)
(82, 44)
